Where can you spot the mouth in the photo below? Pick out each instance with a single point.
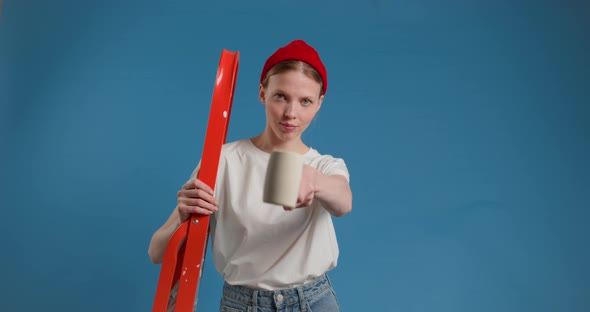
(288, 126)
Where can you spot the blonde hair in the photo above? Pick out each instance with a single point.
(296, 65)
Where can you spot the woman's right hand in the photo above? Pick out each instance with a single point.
(195, 197)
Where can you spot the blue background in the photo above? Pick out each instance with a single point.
(464, 124)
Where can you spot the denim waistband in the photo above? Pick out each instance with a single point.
(276, 298)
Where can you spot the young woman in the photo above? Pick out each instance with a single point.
(272, 258)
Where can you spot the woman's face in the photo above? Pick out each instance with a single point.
(292, 99)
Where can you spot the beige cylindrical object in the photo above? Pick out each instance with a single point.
(283, 178)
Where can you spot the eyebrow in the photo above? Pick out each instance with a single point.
(285, 93)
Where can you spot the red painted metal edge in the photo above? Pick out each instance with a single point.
(184, 264)
(169, 270)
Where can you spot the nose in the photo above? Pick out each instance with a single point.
(289, 111)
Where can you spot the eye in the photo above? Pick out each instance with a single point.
(279, 96)
(306, 102)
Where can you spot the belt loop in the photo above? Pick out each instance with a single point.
(255, 300)
(301, 298)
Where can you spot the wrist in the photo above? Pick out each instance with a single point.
(317, 181)
(181, 218)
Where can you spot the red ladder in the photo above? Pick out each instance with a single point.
(184, 265)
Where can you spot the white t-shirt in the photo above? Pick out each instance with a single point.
(261, 245)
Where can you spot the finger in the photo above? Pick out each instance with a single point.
(197, 193)
(203, 186)
(304, 203)
(194, 209)
(301, 203)
(189, 185)
(197, 202)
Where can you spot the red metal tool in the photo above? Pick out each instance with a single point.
(182, 266)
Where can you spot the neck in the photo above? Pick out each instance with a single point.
(268, 142)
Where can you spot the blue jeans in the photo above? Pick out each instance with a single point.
(316, 296)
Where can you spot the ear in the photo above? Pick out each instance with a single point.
(261, 94)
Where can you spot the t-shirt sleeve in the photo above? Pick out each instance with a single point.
(331, 166)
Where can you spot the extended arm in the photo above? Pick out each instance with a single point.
(334, 192)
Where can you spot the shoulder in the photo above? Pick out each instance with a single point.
(233, 146)
(230, 151)
(238, 150)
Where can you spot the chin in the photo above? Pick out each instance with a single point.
(287, 136)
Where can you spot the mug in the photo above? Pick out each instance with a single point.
(283, 178)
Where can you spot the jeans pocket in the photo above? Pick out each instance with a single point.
(232, 306)
(325, 303)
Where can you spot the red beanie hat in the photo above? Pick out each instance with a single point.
(301, 51)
